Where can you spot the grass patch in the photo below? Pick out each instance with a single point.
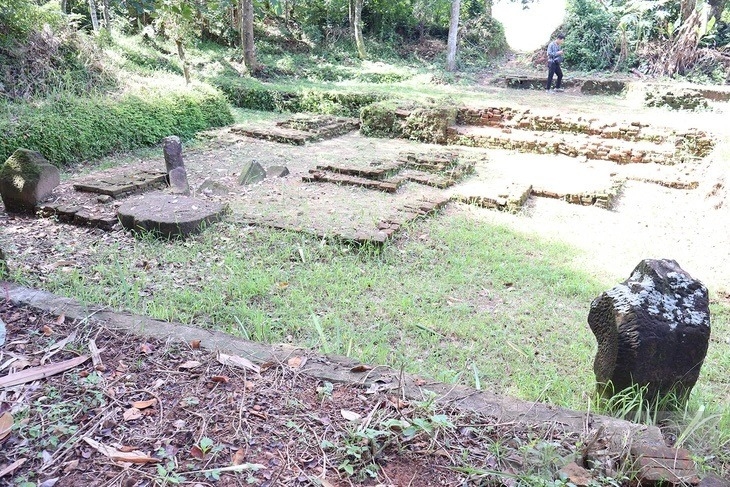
(470, 301)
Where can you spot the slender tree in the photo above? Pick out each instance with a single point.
(357, 26)
(94, 17)
(453, 35)
(249, 51)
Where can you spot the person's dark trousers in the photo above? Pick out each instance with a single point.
(554, 69)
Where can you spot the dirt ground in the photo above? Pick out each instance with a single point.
(146, 412)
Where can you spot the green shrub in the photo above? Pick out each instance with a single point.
(409, 120)
(482, 39)
(254, 95)
(590, 35)
(72, 128)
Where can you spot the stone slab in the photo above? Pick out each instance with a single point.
(378, 170)
(511, 197)
(124, 184)
(276, 134)
(340, 369)
(169, 216)
(657, 463)
(96, 217)
(318, 176)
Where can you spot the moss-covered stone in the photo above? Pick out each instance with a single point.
(26, 179)
(409, 120)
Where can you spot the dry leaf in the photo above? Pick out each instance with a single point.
(239, 457)
(296, 362)
(196, 452)
(250, 386)
(6, 425)
(220, 378)
(236, 361)
(190, 364)
(195, 344)
(47, 330)
(120, 456)
(144, 404)
(60, 319)
(70, 466)
(12, 467)
(36, 373)
(131, 414)
(283, 285)
(361, 368)
(146, 348)
(350, 415)
(326, 483)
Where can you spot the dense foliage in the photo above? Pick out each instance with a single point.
(70, 129)
(590, 35)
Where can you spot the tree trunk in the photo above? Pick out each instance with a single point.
(453, 35)
(686, 8)
(351, 13)
(92, 13)
(488, 7)
(106, 14)
(359, 41)
(249, 52)
(181, 53)
(716, 8)
(64, 6)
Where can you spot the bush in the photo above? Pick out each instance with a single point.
(72, 128)
(253, 95)
(482, 39)
(409, 120)
(590, 36)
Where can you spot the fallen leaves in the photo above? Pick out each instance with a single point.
(350, 415)
(144, 404)
(119, 456)
(116, 455)
(237, 361)
(12, 467)
(6, 425)
(131, 414)
(35, 373)
(296, 362)
(189, 364)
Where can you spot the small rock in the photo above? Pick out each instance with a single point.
(104, 198)
(277, 171)
(210, 187)
(713, 481)
(252, 173)
(576, 474)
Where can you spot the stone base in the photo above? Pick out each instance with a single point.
(169, 216)
(125, 184)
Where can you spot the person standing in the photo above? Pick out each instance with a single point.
(555, 58)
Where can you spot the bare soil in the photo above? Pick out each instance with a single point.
(164, 413)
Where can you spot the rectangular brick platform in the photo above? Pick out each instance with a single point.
(124, 184)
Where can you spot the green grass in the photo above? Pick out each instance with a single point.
(469, 296)
(467, 303)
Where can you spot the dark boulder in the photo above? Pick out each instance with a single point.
(653, 331)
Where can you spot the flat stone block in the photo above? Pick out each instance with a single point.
(169, 216)
(657, 464)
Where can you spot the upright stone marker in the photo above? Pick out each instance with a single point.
(653, 330)
(172, 149)
(26, 179)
